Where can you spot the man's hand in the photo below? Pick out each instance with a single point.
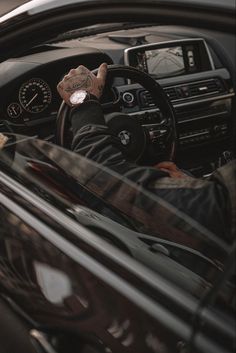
(3, 140)
(171, 169)
(82, 78)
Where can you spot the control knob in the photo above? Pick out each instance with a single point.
(128, 98)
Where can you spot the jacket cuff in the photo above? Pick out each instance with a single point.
(88, 113)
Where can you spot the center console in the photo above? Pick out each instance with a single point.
(200, 94)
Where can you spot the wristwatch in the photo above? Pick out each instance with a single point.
(80, 96)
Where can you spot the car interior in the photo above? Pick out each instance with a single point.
(174, 86)
(195, 68)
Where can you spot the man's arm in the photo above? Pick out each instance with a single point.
(92, 137)
(207, 202)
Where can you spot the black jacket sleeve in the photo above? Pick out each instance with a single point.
(93, 139)
(205, 201)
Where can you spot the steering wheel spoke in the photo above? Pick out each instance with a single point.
(110, 107)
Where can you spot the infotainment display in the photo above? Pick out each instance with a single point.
(162, 62)
(170, 59)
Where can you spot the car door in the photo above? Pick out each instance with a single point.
(69, 270)
(71, 291)
(216, 318)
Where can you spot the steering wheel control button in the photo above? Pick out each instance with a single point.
(14, 110)
(155, 134)
(128, 99)
(125, 137)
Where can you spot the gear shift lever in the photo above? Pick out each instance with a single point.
(224, 158)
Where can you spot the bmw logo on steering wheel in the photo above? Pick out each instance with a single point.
(125, 137)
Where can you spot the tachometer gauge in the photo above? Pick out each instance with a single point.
(35, 95)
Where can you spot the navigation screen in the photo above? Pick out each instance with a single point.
(163, 62)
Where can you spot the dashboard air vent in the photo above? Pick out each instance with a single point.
(172, 93)
(205, 87)
(186, 91)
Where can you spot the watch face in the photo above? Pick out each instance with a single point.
(78, 97)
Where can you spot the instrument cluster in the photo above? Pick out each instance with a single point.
(33, 97)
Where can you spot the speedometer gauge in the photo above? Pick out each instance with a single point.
(35, 95)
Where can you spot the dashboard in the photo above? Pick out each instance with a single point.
(190, 71)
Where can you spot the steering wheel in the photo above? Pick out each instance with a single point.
(134, 136)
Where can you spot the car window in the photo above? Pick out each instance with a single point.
(225, 300)
(217, 316)
(153, 232)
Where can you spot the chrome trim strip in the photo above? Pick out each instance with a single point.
(154, 125)
(224, 96)
(200, 118)
(140, 112)
(41, 339)
(206, 175)
(209, 54)
(193, 135)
